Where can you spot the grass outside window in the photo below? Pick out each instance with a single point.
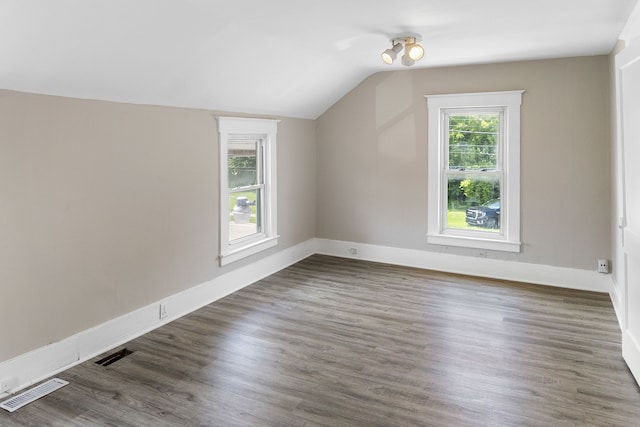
(456, 219)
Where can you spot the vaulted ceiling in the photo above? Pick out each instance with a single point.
(278, 57)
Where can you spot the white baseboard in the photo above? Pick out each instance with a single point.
(34, 366)
(484, 267)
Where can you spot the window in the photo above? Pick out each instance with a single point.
(474, 170)
(247, 187)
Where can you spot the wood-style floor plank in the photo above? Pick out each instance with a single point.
(337, 342)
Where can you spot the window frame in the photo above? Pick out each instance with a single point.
(509, 104)
(265, 130)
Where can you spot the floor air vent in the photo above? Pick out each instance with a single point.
(112, 358)
(35, 393)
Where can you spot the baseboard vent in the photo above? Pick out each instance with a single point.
(112, 358)
(35, 393)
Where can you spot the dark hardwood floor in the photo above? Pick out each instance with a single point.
(336, 342)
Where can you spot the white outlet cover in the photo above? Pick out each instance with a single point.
(163, 311)
(603, 266)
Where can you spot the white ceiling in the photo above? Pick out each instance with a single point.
(278, 57)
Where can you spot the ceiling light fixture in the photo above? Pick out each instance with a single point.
(412, 50)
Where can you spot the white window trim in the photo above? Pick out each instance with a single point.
(509, 238)
(268, 237)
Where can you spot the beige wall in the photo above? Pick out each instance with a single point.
(372, 158)
(108, 207)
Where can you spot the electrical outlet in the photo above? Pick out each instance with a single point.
(603, 266)
(353, 251)
(163, 311)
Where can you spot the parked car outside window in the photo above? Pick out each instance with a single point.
(486, 215)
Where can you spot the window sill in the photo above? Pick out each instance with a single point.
(474, 242)
(237, 254)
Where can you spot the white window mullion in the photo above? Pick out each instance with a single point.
(245, 188)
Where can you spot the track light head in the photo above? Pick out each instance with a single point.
(407, 61)
(389, 55)
(414, 50)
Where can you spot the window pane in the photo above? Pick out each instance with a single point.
(473, 141)
(244, 214)
(473, 203)
(242, 163)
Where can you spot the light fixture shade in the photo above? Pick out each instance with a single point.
(389, 55)
(414, 51)
(406, 60)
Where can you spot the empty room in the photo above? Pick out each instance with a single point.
(321, 213)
